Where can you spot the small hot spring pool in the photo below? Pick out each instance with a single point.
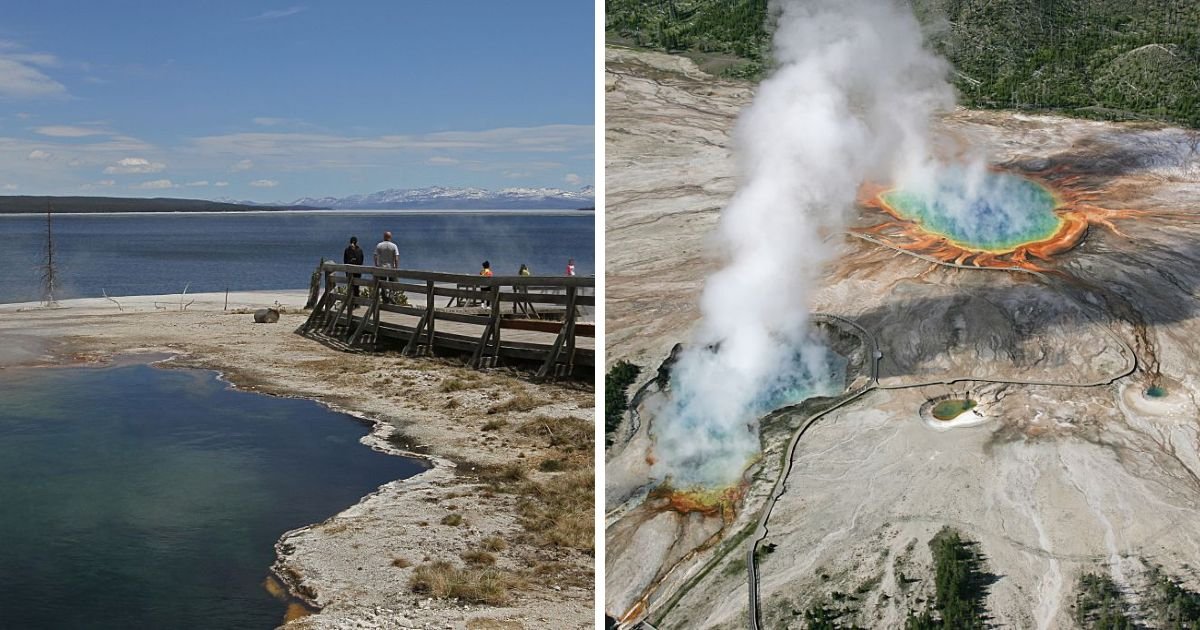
(952, 408)
(138, 497)
(983, 211)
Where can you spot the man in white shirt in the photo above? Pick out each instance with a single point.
(387, 255)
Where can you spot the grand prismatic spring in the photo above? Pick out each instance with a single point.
(988, 217)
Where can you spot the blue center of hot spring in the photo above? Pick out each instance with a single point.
(990, 211)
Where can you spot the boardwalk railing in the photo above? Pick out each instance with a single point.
(460, 313)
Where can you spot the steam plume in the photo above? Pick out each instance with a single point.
(850, 100)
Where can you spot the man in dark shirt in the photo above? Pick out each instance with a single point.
(353, 256)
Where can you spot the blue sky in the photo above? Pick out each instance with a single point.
(275, 101)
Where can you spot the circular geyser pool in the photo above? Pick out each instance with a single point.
(979, 210)
(952, 408)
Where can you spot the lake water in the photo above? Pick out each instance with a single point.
(160, 253)
(139, 497)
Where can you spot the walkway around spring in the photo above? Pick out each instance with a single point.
(544, 318)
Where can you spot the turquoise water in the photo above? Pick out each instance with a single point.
(998, 212)
(138, 497)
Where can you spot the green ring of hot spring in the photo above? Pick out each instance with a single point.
(1000, 213)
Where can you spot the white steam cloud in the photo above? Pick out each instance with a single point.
(850, 100)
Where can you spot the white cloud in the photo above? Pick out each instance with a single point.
(154, 184)
(271, 121)
(243, 165)
(104, 183)
(45, 60)
(10, 187)
(439, 160)
(134, 165)
(70, 131)
(21, 78)
(24, 115)
(573, 179)
(221, 184)
(264, 183)
(203, 182)
(276, 14)
(39, 155)
(543, 139)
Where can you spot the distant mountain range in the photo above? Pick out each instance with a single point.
(444, 198)
(25, 204)
(431, 198)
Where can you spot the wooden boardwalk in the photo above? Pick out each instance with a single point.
(532, 320)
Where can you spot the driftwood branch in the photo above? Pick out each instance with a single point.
(105, 294)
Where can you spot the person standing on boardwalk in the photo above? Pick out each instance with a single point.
(387, 255)
(524, 305)
(570, 266)
(486, 272)
(353, 256)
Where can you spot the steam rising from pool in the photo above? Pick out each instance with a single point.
(849, 101)
(977, 209)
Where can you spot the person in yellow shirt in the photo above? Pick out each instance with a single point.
(486, 272)
(524, 305)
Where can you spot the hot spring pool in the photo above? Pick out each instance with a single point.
(985, 211)
(139, 497)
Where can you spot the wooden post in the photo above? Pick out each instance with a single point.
(314, 285)
(496, 321)
(372, 308)
(410, 348)
(317, 316)
(375, 328)
(429, 307)
(332, 325)
(489, 329)
(570, 327)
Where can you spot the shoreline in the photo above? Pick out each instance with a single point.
(348, 212)
(343, 565)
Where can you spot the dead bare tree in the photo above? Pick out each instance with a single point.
(49, 270)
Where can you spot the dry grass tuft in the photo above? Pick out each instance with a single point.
(458, 384)
(453, 520)
(494, 544)
(479, 586)
(401, 563)
(478, 558)
(568, 432)
(500, 475)
(558, 512)
(562, 574)
(520, 402)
